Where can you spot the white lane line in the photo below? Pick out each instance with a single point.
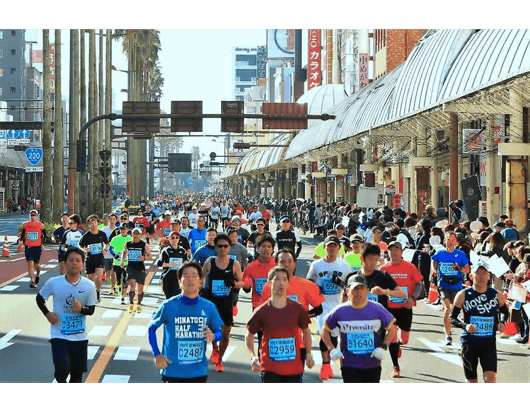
(100, 330)
(145, 314)
(137, 330)
(9, 288)
(112, 313)
(127, 353)
(92, 351)
(114, 378)
(441, 354)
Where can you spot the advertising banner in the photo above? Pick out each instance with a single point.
(314, 56)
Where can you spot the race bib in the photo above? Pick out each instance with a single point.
(400, 300)
(232, 257)
(373, 297)
(329, 287)
(447, 270)
(293, 297)
(484, 326)
(33, 236)
(282, 349)
(219, 289)
(166, 231)
(175, 263)
(72, 324)
(199, 243)
(360, 344)
(260, 282)
(95, 249)
(190, 351)
(134, 255)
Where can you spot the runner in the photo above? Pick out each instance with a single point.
(280, 319)
(225, 214)
(382, 285)
(344, 240)
(257, 272)
(73, 235)
(111, 231)
(197, 236)
(95, 243)
(481, 304)
(185, 229)
(207, 250)
(135, 253)
(153, 219)
(408, 277)
(240, 253)
(224, 274)
(300, 289)
(214, 213)
(354, 257)
(194, 216)
(142, 222)
(57, 236)
(189, 323)
(366, 330)
(329, 273)
(287, 238)
(116, 248)
(32, 236)
(448, 265)
(242, 233)
(163, 228)
(74, 298)
(260, 230)
(170, 260)
(320, 251)
(183, 241)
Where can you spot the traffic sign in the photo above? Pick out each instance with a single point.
(34, 155)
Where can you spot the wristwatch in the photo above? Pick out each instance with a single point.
(384, 346)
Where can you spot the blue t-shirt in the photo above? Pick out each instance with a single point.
(197, 239)
(184, 321)
(449, 277)
(203, 253)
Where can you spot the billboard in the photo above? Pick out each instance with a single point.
(280, 44)
(314, 56)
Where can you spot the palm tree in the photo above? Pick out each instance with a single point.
(46, 214)
(141, 48)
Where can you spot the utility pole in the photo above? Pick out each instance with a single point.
(46, 214)
(58, 146)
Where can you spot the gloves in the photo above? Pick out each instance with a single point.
(337, 281)
(336, 354)
(117, 257)
(379, 354)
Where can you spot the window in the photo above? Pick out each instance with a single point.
(13, 51)
(12, 71)
(1, 34)
(1, 91)
(1, 53)
(1, 72)
(13, 90)
(13, 33)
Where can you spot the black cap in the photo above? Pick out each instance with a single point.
(395, 243)
(331, 239)
(356, 280)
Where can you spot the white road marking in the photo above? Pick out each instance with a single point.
(137, 330)
(91, 352)
(100, 330)
(127, 353)
(9, 288)
(441, 354)
(114, 378)
(112, 313)
(4, 341)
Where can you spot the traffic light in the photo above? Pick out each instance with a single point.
(232, 124)
(285, 110)
(186, 124)
(179, 162)
(81, 156)
(105, 172)
(130, 123)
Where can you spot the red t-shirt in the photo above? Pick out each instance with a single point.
(407, 276)
(166, 228)
(255, 277)
(142, 221)
(281, 341)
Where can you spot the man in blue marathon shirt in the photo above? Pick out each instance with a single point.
(448, 265)
(197, 236)
(189, 323)
(208, 250)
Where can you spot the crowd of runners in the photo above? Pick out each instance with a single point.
(367, 274)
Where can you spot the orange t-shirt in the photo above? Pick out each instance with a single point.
(301, 290)
(255, 277)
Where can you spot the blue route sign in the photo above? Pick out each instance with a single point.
(34, 155)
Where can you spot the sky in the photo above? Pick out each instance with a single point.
(196, 65)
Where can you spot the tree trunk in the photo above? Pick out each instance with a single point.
(83, 183)
(99, 195)
(46, 211)
(58, 147)
(108, 110)
(92, 130)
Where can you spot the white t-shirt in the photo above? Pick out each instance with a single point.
(321, 272)
(193, 219)
(71, 325)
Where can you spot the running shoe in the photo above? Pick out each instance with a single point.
(131, 308)
(214, 358)
(448, 341)
(32, 285)
(219, 367)
(111, 291)
(396, 372)
(325, 372)
(99, 298)
(123, 300)
(37, 279)
(138, 308)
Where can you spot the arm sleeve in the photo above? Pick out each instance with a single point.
(504, 313)
(41, 303)
(454, 318)
(152, 339)
(298, 248)
(88, 310)
(315, 311)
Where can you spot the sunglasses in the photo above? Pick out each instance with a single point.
(33, 215)
(223, 246)
(260, 224)
(174, 237)
(71, 223)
